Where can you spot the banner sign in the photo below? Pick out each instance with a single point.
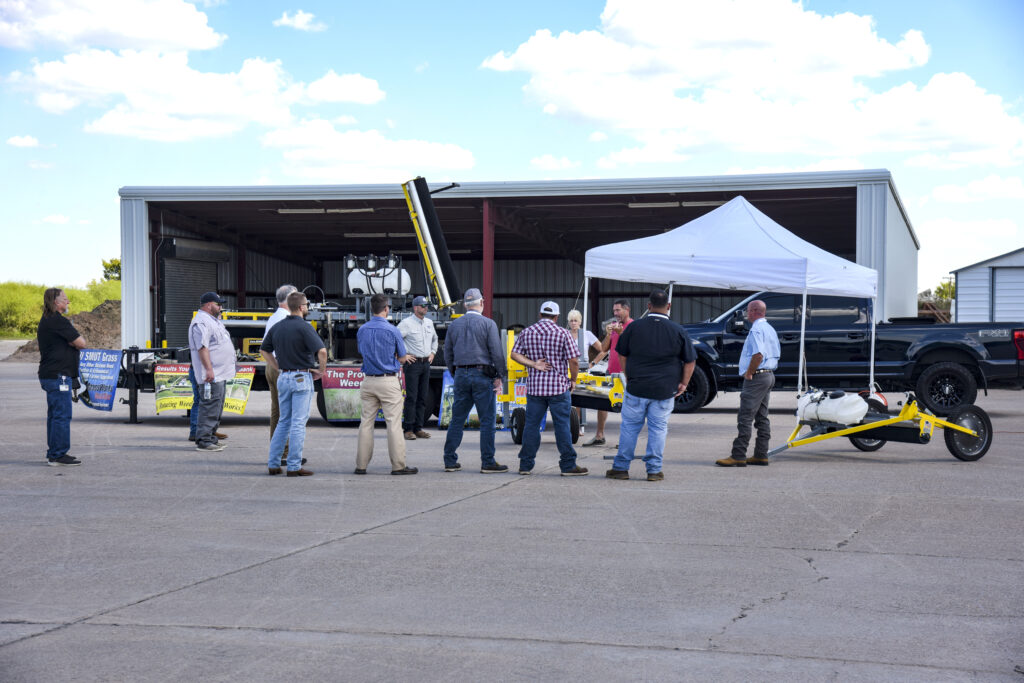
(448, 400)
(98, 370)
(174, 389)
(172, 386)
(236, 391)
(342, 401)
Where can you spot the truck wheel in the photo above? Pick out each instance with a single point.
(865, 444)
(517, 423)
(944, 387)
(696, 393)
(964, 446)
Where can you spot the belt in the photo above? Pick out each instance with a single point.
(304, 370)
(421, 359)
(472, 367)
(386, 374)
(760, 370)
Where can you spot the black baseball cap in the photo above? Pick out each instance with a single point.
(212, 296)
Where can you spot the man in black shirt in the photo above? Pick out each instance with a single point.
(300, 358)
(59, 343)
(658, 359)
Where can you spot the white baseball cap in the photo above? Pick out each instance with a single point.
(549, 308)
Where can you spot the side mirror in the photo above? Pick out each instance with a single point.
(738, 324)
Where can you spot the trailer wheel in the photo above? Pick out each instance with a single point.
(963, 446)
(517, 423)
(944, 387)
(696, 393)
(574, 424)
(865, 444)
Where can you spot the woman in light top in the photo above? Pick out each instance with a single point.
(575, 319)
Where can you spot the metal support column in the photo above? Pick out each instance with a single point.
(488, 258)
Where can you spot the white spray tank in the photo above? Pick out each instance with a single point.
(384, 280)
(837, 406)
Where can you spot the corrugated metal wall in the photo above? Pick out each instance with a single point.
(972, 295)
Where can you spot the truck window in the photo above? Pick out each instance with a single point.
(837, 310)
(782, 308)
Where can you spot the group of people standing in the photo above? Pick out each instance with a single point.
(654, 354)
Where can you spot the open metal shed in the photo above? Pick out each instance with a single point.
(520, 242)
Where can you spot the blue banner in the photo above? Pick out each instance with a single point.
(97, 371)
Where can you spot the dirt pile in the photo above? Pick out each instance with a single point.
(101, 328)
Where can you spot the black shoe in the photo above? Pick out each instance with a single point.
(453, 468)
(65, 461)
(576, 472)
(406, 470)
(284, 462)
(359, 471)
(273, 470)
(191, 437)
(491, 469)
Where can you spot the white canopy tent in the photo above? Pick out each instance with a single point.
(735, 247)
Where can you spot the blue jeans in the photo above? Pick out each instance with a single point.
(471, 388)
(294, 394)
(58, 416)
(536, 406)
(634, 411)
(193, 413)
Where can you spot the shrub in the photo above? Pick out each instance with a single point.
(21, 303)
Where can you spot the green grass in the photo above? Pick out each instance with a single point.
(21, 304)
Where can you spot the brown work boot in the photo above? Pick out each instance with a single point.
(220, 435)
(617, 474)
(409, 436)
(420, 434)
(655, 476)
(300, 473)
(763, 462)
(731, 462)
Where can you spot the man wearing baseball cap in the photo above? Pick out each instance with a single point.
(473, 353)
(213, 363)
(552, 361)
(421, 342)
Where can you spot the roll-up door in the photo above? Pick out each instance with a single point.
(1008, 295)
(184, 281)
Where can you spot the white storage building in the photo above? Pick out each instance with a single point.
(991, 291)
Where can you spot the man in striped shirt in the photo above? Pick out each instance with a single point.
(552, 360)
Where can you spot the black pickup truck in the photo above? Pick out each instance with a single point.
(944, 364)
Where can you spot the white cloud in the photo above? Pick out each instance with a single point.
(549, 162)
(421, 67)
(302, 21)
(56, 219)
(985, 189)
(120, 24)
(974, 240)
(39, 165)
(158, 96)
(345, 88)
(22, 141)
(315, 150)
(598, 136)
(758, 77)
(345, 120)
(840, 164)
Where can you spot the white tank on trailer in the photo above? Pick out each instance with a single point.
(396, 280)
(817, 406)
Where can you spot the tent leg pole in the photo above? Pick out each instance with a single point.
(800, 360)
(871, 353)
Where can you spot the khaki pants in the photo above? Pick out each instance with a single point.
(275, 408)
(384, 393)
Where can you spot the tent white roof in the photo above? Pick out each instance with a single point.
(733, 247)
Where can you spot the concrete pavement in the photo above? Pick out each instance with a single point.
(155, 562)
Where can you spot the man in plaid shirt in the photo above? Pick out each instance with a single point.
(551, 357)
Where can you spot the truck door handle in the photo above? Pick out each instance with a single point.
(790, 336)
(856, 335)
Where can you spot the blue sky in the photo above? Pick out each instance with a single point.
(99, 95)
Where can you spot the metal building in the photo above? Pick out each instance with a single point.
(990, 291)
(520, 242)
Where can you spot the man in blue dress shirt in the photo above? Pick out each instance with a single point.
(758, 360)
(383, 351)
